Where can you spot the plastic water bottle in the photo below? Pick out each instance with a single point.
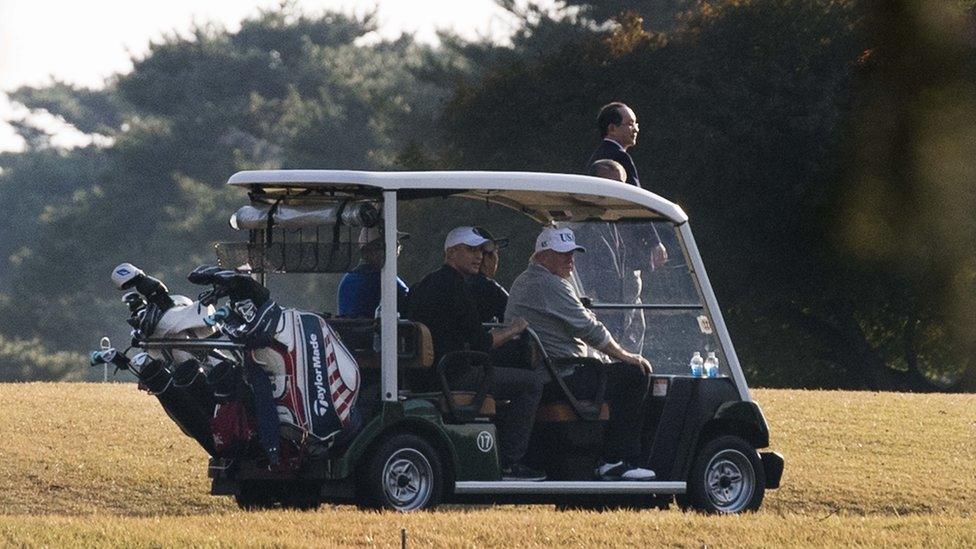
(697, 364)
(711, 365)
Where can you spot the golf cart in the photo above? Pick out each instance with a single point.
(417, 448)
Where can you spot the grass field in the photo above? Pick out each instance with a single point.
(102, 465)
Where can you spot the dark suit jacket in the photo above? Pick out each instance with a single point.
(612, 151)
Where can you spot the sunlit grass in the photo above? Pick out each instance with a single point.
(94, 464)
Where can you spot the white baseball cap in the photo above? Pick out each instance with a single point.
(557, 240)
(470, 236)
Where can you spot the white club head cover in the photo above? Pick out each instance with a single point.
(124, 273)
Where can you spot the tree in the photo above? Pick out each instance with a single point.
(286, 90)
(745, 109)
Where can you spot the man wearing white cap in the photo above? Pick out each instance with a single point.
(443, 303)
(358, 294)
(544, 296)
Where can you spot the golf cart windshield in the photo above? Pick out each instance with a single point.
(640, 283)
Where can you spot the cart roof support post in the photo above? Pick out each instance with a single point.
(388, 300)
(711, 304)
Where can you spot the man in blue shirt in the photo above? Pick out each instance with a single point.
(359, 290)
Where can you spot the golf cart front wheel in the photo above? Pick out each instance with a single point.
(726, 477)
(404, 474)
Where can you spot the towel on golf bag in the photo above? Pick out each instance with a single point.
(233, 428)
(314, 378)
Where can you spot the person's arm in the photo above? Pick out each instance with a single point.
(641, 238)
(571, 311)
(465, 320)
(504, 334)
(614, 350)
(560, 301)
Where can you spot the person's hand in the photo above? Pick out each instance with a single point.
(659, 256)
(518, 325)
(504, 334)
(638, 360)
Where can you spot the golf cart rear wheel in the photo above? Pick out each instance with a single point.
(727, 477)
(404, 474)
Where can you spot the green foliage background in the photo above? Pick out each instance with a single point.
(822, 148)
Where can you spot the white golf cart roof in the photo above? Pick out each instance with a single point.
(544, 196)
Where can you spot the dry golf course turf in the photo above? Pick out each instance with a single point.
(102, 465)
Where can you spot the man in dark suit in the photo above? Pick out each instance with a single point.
(618, 127)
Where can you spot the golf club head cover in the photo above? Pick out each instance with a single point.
(257, 325)
(241, 287)
(155, 292)
(134, 301)
(152, 373)
(226, 382)
(127, 276)
(204, 274)
(147, 320)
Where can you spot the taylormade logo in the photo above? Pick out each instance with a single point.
(321, 396)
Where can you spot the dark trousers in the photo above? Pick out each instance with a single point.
(626, 390)
(524, 389)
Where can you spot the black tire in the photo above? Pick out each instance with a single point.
(403, 474)
(255, 496)
(726, 477)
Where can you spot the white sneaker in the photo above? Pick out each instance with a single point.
(622, 470)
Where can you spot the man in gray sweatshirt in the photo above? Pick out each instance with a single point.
(544, 296)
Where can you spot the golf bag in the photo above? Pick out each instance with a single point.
(293, 380)
(304, 380)
(314, 378)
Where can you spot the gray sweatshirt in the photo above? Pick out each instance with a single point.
(554, 311)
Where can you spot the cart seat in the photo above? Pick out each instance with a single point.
(415, 348)
(561, 412)
(415, 351)
(461, 398)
